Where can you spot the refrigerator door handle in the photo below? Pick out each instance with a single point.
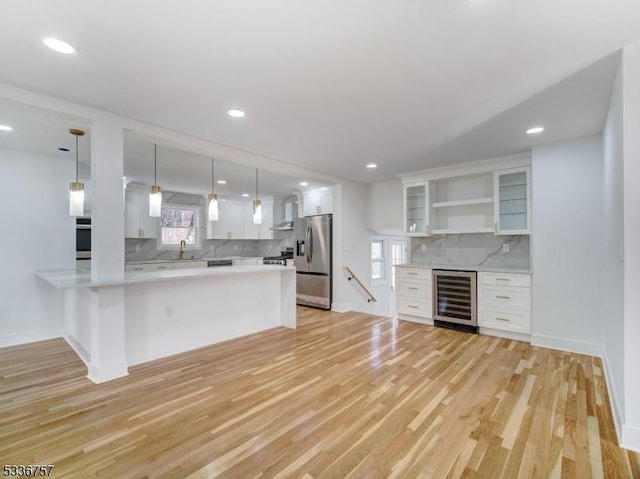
(310, 249)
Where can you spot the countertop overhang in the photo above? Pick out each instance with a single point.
(480, 269)
(66, 279)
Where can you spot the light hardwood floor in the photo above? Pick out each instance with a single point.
(346, 395)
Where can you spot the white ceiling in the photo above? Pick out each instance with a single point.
(332, 85)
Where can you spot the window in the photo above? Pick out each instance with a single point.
(398, 256)
(378, 266)
(177, 224)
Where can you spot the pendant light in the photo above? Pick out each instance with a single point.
(257, 206)
(155, 195)
(213, 199)
(76, 189)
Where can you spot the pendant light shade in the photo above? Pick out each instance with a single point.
(257, 206)
(213, 199)
(76, 189)
(155, 195)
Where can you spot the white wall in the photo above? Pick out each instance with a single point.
(567, 244)
(612, 253)
(37, 233)
(385, 207)
(351, 248)
(631, 154)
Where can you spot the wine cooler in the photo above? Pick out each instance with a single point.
(454, 300)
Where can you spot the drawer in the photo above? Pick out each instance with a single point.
(413, 274)
(138, 268)
(505, 279)
(414, 289)
(162, 266)
(517, 321)
(503, 297)
(414, 308)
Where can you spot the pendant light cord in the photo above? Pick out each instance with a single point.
(155, 164)
(212, 184)
(256, 183)
(76, 158)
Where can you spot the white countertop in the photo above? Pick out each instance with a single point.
(483, 269)
(65, 279)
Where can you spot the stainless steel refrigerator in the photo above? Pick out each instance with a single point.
(312, 259)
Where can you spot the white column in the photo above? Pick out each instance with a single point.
(107, 311)
(107, 334)
(107, 212)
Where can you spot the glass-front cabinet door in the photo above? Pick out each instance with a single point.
(416, 209)
(512, 200)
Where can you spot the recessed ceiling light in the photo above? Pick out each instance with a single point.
(371, 165)
(304, 183)
(534, 130)
(5, 128)
(236, 113)
(222, 182)
(245, 195)
(62, 148)
(59, 46)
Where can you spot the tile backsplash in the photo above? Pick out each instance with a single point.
(472, 250)
(146, 249)
(138, 249)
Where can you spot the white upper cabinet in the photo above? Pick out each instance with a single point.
(416, 209)
(512, 208)
(489, 196)
(137, 222)
(317, 202)
(236, 221)
(231, 221)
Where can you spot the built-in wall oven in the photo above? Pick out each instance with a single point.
(83, 237)
(454, 300)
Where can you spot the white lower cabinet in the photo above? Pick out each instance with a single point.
(146, 267)
(413, 293)
(189, 264)
(163, 266)
(504, 302)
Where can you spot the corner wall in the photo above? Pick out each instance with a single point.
(613, 254)
(37, 234)
(567, 245)
(631, 178)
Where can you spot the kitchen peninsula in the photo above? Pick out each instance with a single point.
(145, 316)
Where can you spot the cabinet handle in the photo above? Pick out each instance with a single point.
(426, 230)
(495, 227)
(503, 279)
(138, 269)
(503, 319)
(412, 274)
(413, 288)
(503, 297)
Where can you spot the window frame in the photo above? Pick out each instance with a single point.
(382, 261)
(197, 212)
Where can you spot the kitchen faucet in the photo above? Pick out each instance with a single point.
(183, 245)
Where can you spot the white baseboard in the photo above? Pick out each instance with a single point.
(16, 339)
(569, 345)
(631, 438)
(505, 334)
(341, 307)
(415, 319)
(613, 399)
(82, 353)
(108, 372)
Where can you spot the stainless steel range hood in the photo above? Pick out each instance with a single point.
(284, 226)
(289, 212)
